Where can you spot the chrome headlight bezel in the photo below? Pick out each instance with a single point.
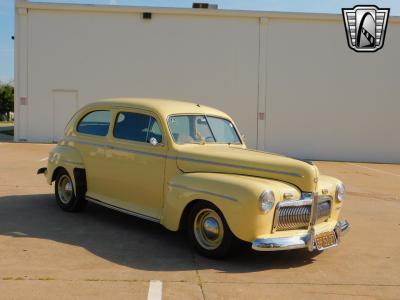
(266, 201)
(340, 192)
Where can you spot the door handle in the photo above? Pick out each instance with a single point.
(109, 147)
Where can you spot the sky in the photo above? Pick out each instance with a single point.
(321, 6)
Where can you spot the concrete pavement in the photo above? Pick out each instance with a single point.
(102, 254)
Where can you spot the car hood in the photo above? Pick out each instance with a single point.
(234, 160)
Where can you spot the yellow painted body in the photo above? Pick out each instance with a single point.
(160, 181)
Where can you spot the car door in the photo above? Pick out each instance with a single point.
(135, 161)
(91, 137)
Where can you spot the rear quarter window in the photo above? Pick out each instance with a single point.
(95, 123)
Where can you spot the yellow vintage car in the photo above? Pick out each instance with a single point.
(186, 166)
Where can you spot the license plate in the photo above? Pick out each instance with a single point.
(325, 240)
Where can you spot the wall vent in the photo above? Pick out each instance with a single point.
(204, 5)
(147, 15)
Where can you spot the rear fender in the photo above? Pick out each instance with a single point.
(68, 158)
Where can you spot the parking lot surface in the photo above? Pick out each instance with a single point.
(46, 253)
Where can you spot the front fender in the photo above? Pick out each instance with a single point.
(63, 156)
(235, 195)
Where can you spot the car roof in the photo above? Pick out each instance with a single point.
(163, 107)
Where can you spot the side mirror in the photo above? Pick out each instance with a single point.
(243, 137)
(153, 141)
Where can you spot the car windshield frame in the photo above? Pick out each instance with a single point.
(236, 131)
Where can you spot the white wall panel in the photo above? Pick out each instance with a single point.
(210, 60)
(21, 74)
(65, 104)
(325, 101)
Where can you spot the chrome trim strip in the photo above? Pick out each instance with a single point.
(301, 202)
(202, 191)
(304, 201)
(71, 162)
(240, 167)
(77, 140)
(140, 152)
(190, 159)
(296, 242)
(119, 148)
(135, 214)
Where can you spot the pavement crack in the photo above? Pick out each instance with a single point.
(303, 283)
(199, 281)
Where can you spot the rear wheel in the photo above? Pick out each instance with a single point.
(208, 231)
(65, 194)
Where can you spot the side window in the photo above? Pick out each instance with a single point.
(181, 129)
(95, 123)
(154, 131)
(223, 130)
(203, 130)
(136, 127)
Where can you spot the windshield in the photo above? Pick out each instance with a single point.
(186, 129)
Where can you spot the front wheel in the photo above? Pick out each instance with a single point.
(65, 194)
(208, 231)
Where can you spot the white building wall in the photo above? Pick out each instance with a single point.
(320, 99)
(328, 102)
(115, 55)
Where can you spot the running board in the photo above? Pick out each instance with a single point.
(125, 211)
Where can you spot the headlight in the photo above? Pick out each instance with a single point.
(340, 192)
(267, 200)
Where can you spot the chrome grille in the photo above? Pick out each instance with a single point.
(296, 214)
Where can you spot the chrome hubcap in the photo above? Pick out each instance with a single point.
(208, 229)
(65, 190)
(211, 228)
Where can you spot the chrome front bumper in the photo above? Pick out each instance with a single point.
(297, 242)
